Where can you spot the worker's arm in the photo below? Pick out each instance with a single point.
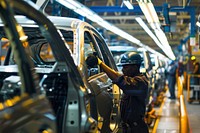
(93, 60)
(112, 74)
(133, 86)
(196, 67)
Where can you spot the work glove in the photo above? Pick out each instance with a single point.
(93, 60)
(99, 61)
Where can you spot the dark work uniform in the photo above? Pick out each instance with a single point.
(195, 81)
(197, 72)
(172, 80)
(133, 105)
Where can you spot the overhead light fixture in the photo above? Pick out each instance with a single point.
(150, 14)
(152, 18)
(163, 39)
(165, 49)
(86, 12)
(198, 23)
(148, 31)
(128, 4)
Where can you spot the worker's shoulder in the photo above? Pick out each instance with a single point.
(140, 78)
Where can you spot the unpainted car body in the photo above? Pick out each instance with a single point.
(86, 40)
(159, 79)
(82, 39)
(60, 82)
(20, 97)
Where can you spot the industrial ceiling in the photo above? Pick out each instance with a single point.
(179, 21)
(180, 15)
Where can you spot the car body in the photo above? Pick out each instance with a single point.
(159, 79)
(86, 40)
(159, 72)
(90, 89)
(62, 102)
(22, 105)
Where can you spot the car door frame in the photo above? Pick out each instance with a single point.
(104, 53)
(18, 113)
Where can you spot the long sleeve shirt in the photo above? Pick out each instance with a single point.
(133, 103)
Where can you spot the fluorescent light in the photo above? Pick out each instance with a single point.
(164, 48)
(153, 12)
(150, 14)
(148, 31)
(67, 4)
(198, 24)
(128, 4)
(146, 12)
(152, 18)
(163, 39)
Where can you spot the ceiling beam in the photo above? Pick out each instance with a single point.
(131, 17)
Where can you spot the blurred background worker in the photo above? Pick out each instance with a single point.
(171, 77)
(195, 63)
(135, 89)
(195, 71)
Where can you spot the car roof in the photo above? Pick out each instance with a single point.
(56, 20)
(122, 48)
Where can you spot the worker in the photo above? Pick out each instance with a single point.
(195, 71)
(135, 88)
(195, 63)
(171, 76)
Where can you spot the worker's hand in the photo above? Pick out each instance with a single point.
(99, 61)
(93, 60)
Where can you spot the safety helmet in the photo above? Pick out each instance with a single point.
(129, 58)
(193, 58)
